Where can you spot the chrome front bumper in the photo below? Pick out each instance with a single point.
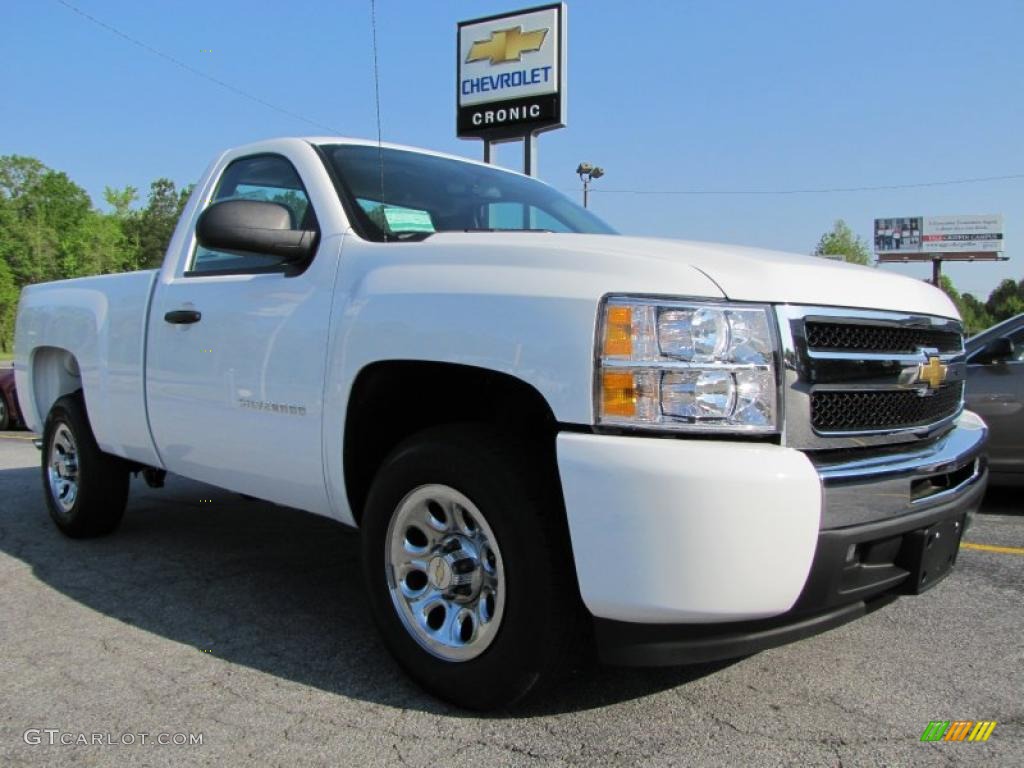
(904, 480)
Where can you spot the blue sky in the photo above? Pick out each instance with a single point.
(702, 96)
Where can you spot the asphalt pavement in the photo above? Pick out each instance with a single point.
(209, 617)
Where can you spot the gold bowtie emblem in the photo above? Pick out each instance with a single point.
(932, 373)
(506, 45)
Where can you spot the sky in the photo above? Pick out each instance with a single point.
(700, 97)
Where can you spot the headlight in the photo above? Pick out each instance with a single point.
(698, 366)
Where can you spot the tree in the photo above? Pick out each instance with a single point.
(8, 306)
(152, 227)
(19, 174)
(121, 200)
(974, 313)
(841, 241)
(1006, 300)
(50, 230)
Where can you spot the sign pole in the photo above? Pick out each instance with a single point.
(487, 151)
(530, 154)
(936, 272)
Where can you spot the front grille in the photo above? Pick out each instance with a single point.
(861, 411)
(878, 338)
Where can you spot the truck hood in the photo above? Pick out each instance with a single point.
(755, 274)
(741, 273)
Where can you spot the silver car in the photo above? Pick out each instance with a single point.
(995, 391)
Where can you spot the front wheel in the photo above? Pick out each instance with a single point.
(5, 415)
(467, 566)
(86, 489)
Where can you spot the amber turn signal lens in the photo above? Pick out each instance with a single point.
(618, 394)
(618, 332)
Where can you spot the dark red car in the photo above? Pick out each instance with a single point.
(10, 413)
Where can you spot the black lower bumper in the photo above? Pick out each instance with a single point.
(855, 570)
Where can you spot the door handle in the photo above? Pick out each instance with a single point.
(183, 316)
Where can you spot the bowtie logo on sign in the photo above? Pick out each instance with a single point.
(506, 45)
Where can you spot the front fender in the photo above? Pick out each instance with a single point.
(520, 311)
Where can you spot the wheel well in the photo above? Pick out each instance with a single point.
(392, 400)
(55, 373)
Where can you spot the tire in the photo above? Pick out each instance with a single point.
(504, 511)
(6, 417)
(86, 489)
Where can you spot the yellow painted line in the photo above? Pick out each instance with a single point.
(17, 437)
(992, 548)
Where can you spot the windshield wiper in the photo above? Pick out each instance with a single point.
(501, 229)
(408, 234)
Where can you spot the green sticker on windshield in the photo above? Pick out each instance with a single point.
(395, 218)
(408, 219)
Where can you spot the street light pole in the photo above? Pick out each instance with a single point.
(587, 174)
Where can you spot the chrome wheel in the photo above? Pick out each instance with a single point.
(62, 468)
(445, 573)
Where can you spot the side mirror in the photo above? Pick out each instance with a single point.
(996, 351)
(254, 226)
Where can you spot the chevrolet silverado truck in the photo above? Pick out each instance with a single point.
(551, 437)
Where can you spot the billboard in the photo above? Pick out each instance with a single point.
(962, 234)
(959, 234)
(511, 73)
(899, 235)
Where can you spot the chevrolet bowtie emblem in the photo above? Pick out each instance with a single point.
(932, 373)
(507, 45)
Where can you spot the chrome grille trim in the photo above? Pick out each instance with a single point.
(806, 371)
(837, 334)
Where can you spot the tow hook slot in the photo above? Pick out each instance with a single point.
(924, 487)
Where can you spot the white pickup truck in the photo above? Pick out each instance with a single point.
(551, 436)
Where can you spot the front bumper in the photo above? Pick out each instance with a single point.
(689, 550)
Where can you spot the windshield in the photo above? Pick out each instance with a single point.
(423, 194)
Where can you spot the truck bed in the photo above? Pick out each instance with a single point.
(102, 321)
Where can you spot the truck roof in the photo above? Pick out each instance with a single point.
(322, 140)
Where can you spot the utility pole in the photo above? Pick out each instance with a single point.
(587, 174)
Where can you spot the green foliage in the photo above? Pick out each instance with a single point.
(841, 241)
(1006, 300)
(1003, 303)
(8, 307)
(49, 230)
(150, 229)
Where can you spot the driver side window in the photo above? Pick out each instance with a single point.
(271, 178)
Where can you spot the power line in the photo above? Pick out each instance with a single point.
(601, 190)
(821, 191)
(199, 73)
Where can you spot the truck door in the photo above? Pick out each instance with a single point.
(236, 355)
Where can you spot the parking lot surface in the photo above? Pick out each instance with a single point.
(243, 623)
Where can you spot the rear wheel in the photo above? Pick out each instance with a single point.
(86, 489)
(5, 415)
(468, 571)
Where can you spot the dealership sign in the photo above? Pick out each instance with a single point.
(511, 74)
(925, 235)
